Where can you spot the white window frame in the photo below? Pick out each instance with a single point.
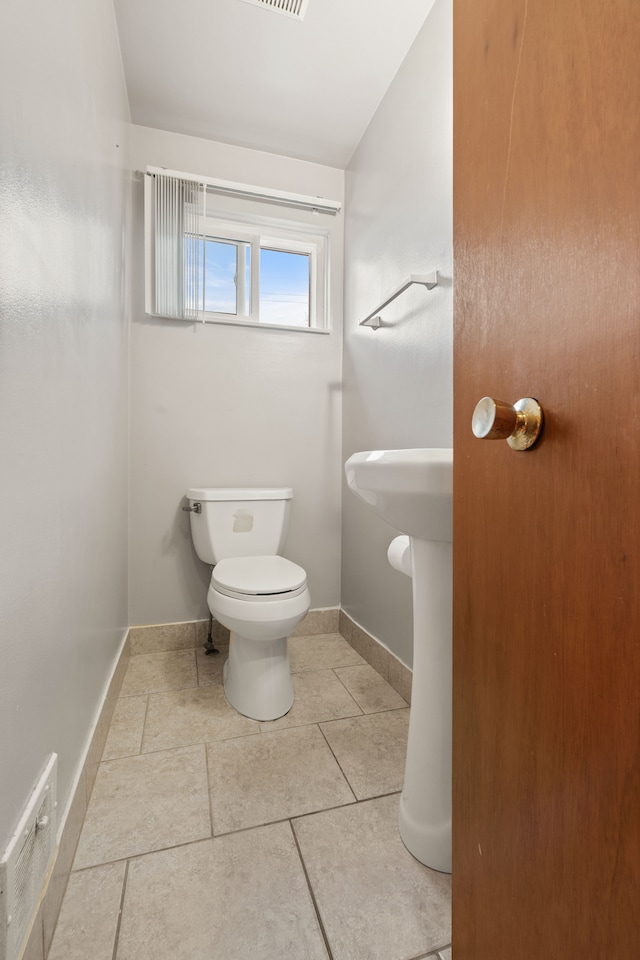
(280, 235)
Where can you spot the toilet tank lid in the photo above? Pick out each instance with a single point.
(240, 493)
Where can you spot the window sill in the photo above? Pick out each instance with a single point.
(263, 326)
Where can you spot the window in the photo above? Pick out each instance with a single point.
(263, 270)
(273, 277)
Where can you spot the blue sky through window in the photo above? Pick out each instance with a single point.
(284, 288)
(284, 282)
(220, 269)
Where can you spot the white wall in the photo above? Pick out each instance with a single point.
(398, 379)
(63, 382)
(218, 405)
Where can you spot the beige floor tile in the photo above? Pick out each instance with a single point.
(152, 672)
(369, 690)
(371, 751)
(272, 776)
(375, 900)
(125, 732)
(239, 897)
(445, 954)
(210, 665)
(145, 803)
(319, 695)
(321, 652)
(179, 717)
(89, 915)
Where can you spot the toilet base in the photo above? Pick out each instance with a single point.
(257, 677)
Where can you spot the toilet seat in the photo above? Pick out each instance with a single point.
(258, 578)
(257, 674)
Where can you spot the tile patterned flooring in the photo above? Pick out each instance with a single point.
(213, 837)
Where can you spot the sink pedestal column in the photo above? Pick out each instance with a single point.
(425, 806)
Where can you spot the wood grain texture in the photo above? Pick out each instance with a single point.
(547, 542)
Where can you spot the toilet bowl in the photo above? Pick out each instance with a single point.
(261, 600)
(259, 596)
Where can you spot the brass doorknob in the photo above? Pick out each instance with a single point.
(519, 423)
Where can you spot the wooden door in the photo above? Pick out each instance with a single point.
(547, 542)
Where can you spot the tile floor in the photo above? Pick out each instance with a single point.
(213, 837)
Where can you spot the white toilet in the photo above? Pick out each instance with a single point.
(258, 595)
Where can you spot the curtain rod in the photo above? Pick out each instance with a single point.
(320, 204)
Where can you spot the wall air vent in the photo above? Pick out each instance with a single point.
(24, 864)
(290, 8)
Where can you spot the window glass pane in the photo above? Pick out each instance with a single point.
(219, 276)
(284, 287)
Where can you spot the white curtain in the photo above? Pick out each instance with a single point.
(176, 238)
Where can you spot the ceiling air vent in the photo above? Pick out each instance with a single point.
(290, 8)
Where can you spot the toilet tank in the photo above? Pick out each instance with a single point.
(243, 522)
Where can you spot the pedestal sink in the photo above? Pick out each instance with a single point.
(412, 490)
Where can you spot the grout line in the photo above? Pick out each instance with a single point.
(286, 819)
(124, 887)
(197, 668)
(193, 743)
(239, 736)
(252, 733)
(312, 894)
(228, 833)
(190, 843)
(155, 653)
(152, 753)
(133, 696)
(343, 806)
(126, 756)
(434, 955)
(381, 796)
(333, 670)
(374, 713)
(127, 857)
(92, 866)
(209, 789)
(144, 725)
(352, 695)
(369, 713)
(337, 761)
(309, 723)
(146, 693)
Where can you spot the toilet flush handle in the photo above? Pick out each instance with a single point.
(196, 508)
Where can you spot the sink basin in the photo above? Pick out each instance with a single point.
(410, 489)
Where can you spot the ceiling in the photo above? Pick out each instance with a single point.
(243, 74)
